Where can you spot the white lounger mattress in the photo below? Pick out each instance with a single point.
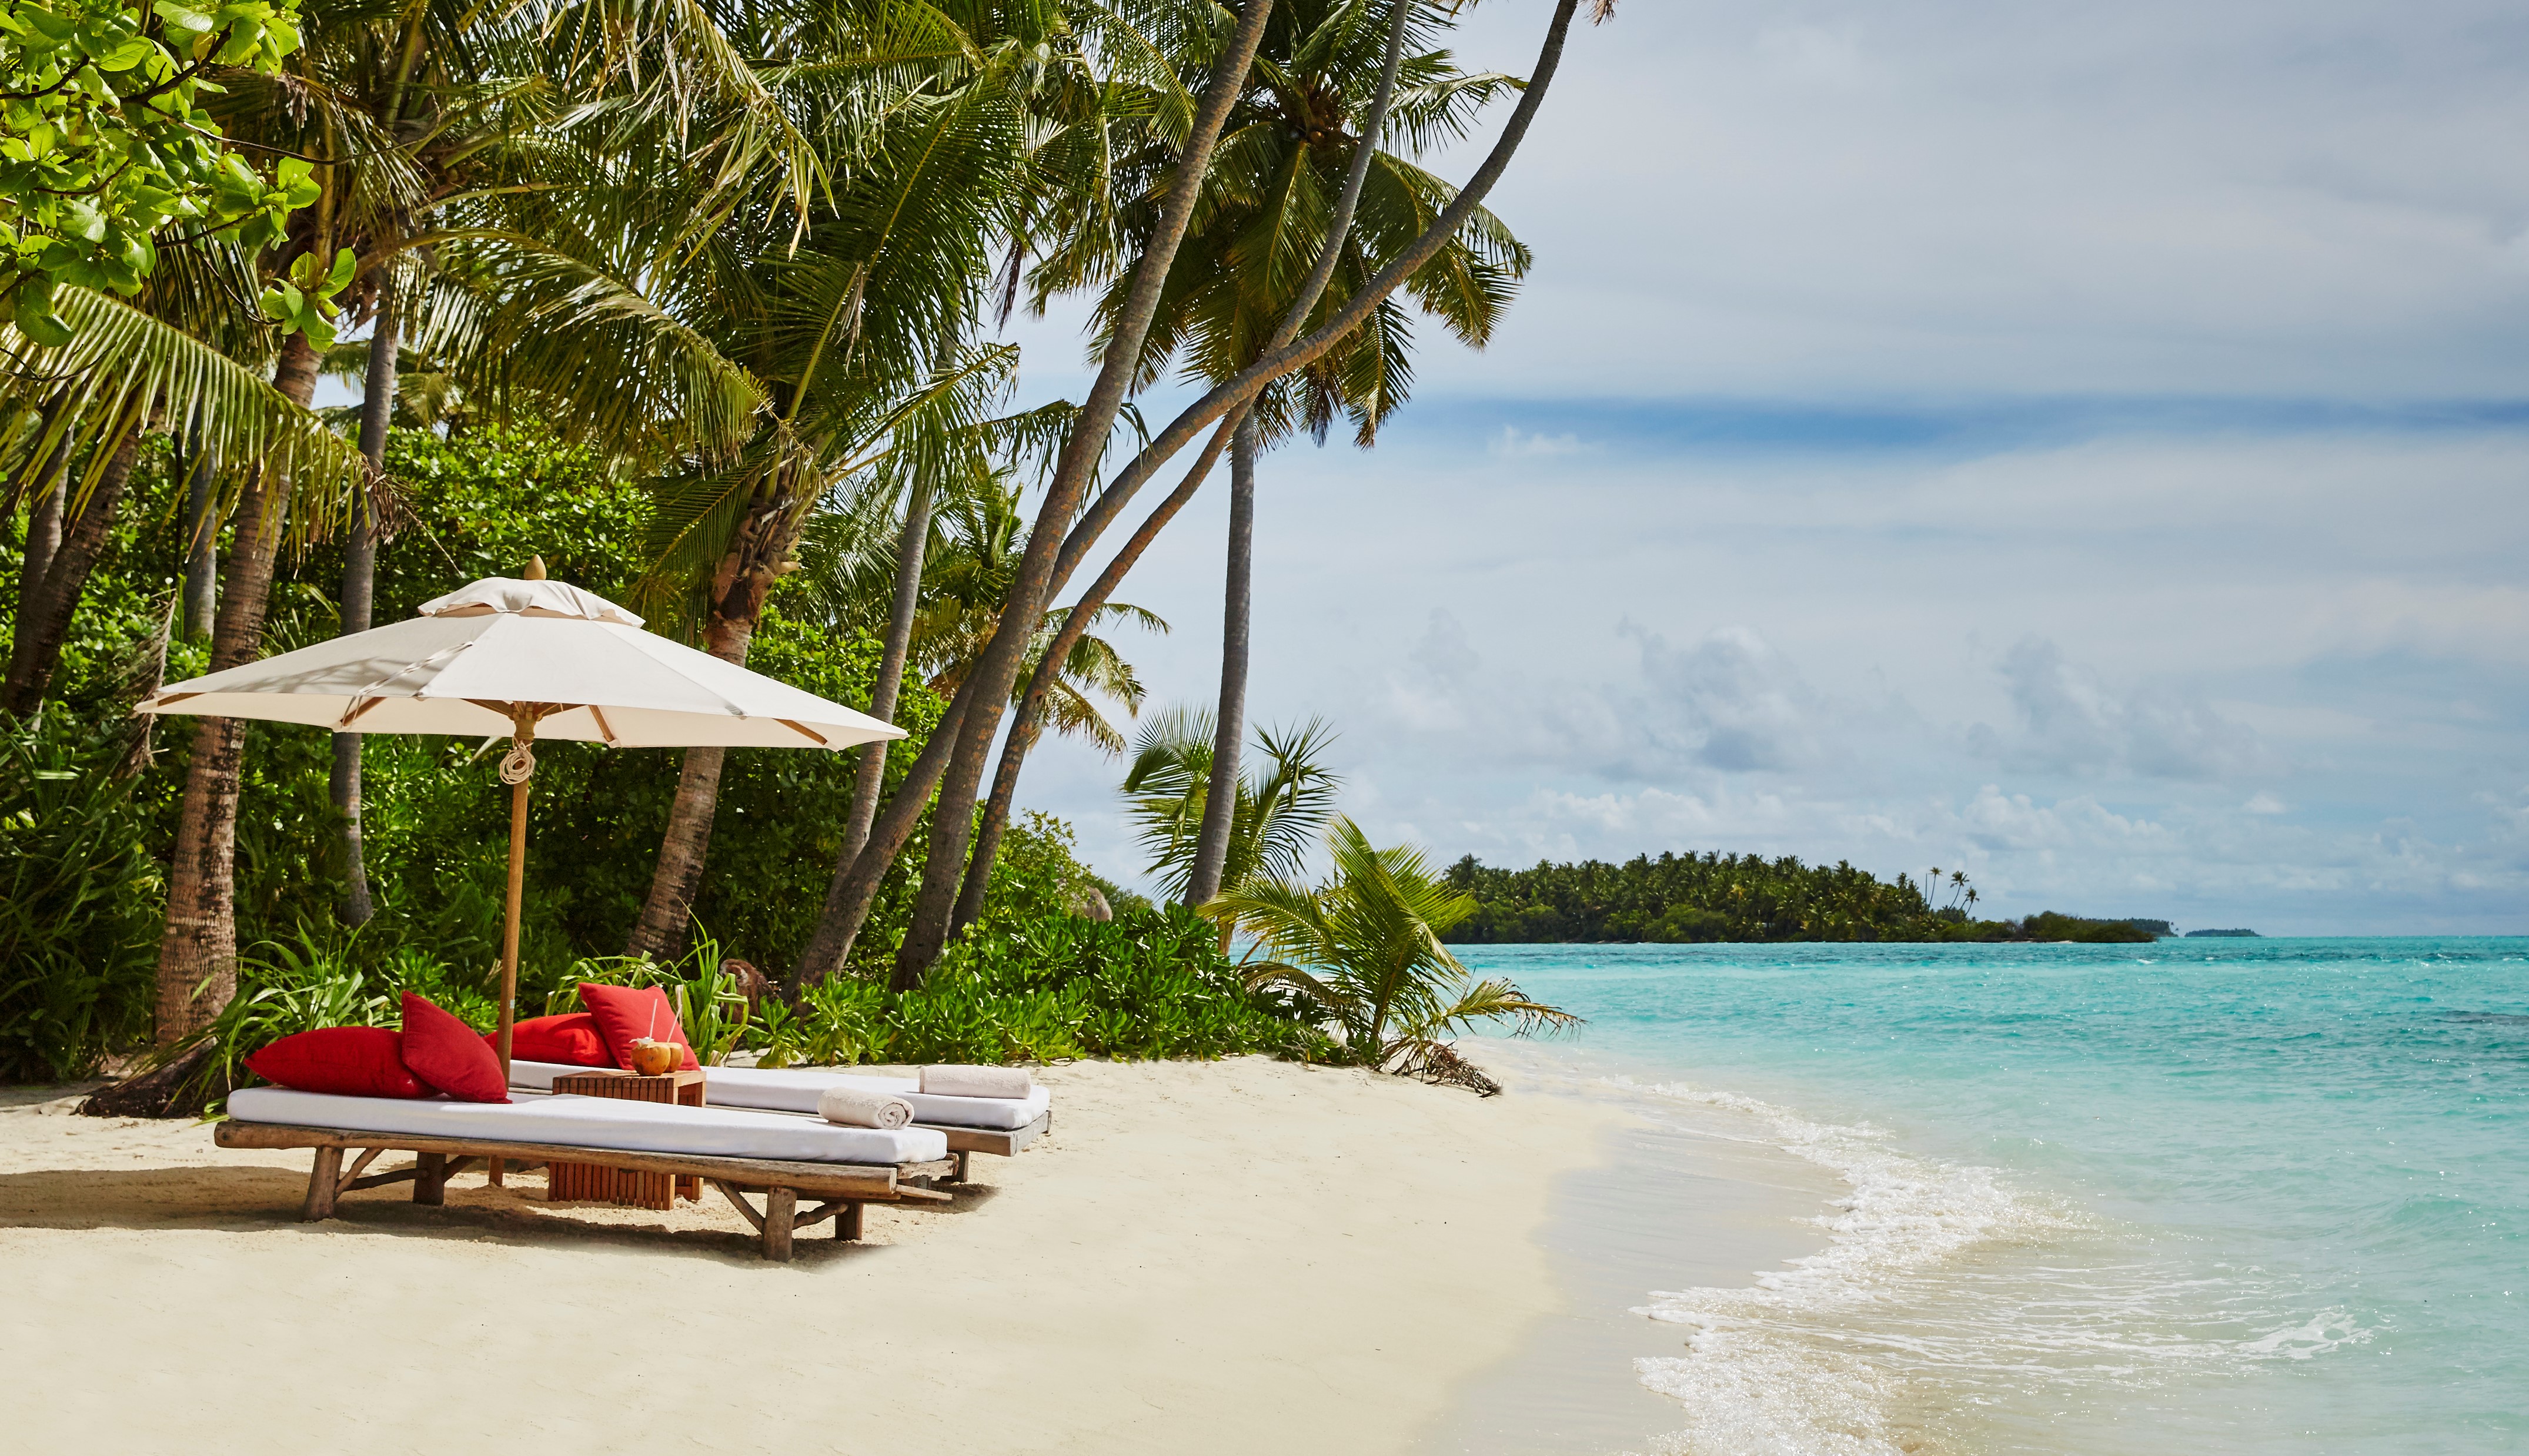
(791, 1090)
(596, 1122)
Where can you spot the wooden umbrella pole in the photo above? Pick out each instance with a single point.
(518, 769)
(523, 735)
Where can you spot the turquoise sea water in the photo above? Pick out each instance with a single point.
(2205, 1196)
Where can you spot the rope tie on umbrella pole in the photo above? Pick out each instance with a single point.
(522, 762)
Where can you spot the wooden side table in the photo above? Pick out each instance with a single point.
(586, 1183)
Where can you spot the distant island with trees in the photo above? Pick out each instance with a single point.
(1688, 899)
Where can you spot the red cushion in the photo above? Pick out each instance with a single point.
(345, 1060)
(446, 1053)
(573, 1041)
(624, 1015)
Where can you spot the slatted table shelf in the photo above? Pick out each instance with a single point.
(590, 1182)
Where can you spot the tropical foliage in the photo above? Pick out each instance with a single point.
(676, 300)
(1714, 896)
(1033, 987)
(1364, 946)
(104, 142)
(1284, 797)
(79, 895)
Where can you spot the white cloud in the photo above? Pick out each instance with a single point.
(1515, 443)
(1727, 701)
(2069, 722)
(2265, 803)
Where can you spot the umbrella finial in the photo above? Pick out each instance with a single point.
(535, 568)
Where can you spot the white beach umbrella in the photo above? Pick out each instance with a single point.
(526, 658)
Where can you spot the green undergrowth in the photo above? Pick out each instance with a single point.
(79, 898)
(1047, 987)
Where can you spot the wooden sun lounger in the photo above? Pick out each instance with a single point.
(963, 1142)
(845, 1187)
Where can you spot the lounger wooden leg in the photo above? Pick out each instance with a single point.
(430, 1179)
(847, 1223)
(961, 1165)
(780, 1208)
(324, 1181)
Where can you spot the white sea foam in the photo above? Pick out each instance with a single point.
(1942, 1289)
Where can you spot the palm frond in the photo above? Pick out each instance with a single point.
(122, 364)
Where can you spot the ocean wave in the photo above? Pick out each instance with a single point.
(1942, 1290)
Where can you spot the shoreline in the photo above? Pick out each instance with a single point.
(1233, 1256)
(1685, 1196)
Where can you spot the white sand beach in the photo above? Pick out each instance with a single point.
(1223, 1257)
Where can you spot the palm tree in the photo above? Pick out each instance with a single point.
(431, 125)
(1365, 947)
(1070, 520)
(752, 334)
(186, 356)
(1270, 205)
(1276, 815)
(124, 367)
(198, 951)
(1087, 219)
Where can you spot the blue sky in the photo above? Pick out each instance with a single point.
(2081, 446)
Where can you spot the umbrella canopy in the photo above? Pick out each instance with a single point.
(473, 657)
(529, 659)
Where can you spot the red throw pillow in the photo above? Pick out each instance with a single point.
(345, 1060)
(445, 1053)
(625, 1016)
(573, 1041)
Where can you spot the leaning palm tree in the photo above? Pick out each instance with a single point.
(1241, 282)
(1219, 304)
(1364, 946)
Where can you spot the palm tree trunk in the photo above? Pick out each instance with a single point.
(759, 557)
(684, 849)
(854, 887)
(201, 551)
(44, 535)
(683, 853)
(44, 614)
(1220, 801)
(855, 884)
(910, 544)
(198, 953)
(1014, 749)
(953, 759)
(47, 488)
(997, 813)
(996, 670)
(1048, 670)
(359, 580)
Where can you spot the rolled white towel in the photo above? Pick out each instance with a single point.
(977, 1081)
(855, 1107)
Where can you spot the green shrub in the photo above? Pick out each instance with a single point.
(80, 899)
(1150, 983)
(710, 1005)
